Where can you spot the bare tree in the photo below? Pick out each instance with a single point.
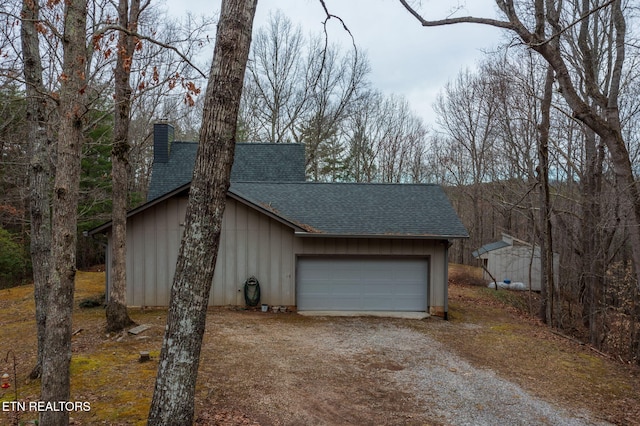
(57, 347)
(173, 397)
(467, 115)
(278, 81)
(301, 90)
(549, 291)
(117, 315)
(362, 130)
(338, 83)
(40, 169)
(598, 107)
(61, 70)
(164, 85)
(385, 141)
(404, 133)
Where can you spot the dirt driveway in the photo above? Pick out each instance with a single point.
(286, 369)
(489, 364)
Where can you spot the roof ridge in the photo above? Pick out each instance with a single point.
(341, 183)
(250, 143)
(270, 143)
(417, 210)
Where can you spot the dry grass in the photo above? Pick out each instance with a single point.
(494, 332)
(104, 369)
(483, 330)
(464, 274)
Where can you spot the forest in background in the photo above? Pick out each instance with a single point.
(483, 147)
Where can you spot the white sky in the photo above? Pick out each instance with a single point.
(405, 58)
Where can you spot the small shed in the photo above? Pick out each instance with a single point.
(515, 260)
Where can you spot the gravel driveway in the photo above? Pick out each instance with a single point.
(289, 369)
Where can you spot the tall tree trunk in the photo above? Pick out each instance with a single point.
(599, 112)
(57, 355)
(603, 117)
(39, 170)
(591, 90)
(546, 246)
(174, 393)
(592, 242)
(116, 312)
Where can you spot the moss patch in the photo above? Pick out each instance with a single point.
(485, 329)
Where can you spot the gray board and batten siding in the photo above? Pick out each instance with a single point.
(254, 243)
(284, 231)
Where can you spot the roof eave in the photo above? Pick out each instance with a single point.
(107, 225)
(304, 234)
(238, 197)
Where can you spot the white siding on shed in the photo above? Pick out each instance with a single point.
(517, 263)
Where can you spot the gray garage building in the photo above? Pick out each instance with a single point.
(315, 246)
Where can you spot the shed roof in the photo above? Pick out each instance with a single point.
(490, 247)
(357, 209)
(265, 162)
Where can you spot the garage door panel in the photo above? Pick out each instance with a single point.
(362, 284)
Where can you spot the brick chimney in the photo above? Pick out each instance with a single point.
(163, 135)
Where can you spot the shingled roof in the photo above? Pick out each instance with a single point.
(177, 171)
(271, 177)
(263, 162)
(490, 247)
(351, 209)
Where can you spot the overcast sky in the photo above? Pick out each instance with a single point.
(405, 58)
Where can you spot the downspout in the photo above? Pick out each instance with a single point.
(430, 286)
(447, 244)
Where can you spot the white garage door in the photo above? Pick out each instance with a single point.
(362, 284)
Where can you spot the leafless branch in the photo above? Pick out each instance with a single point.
(154, 41)
(497, 23)
(460, 20)
(328, 17)
(574, 23)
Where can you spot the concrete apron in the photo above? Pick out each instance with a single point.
(383, 314)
